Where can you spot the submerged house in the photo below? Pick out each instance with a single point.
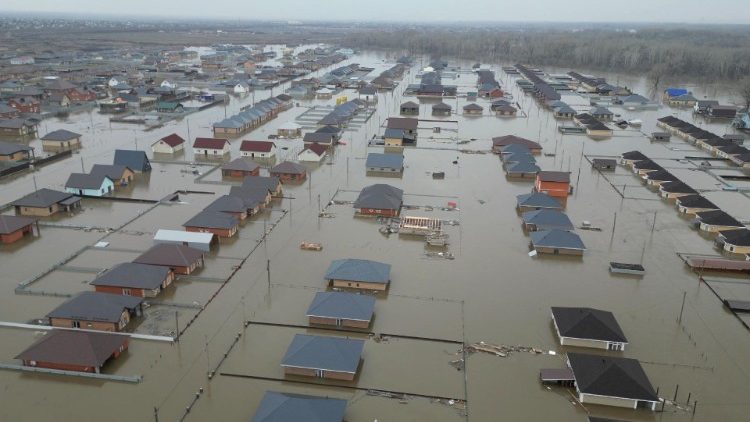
(288, 171)
(136, 160)
(179, 258)
(611, 381)
(271, 184)
(675, 189)
(219, 223)
(313, 153)
(96, 311)
(441, 109)
(169, 144)
(693, 204)
(121, 175)
(287, 407)
(409, 108)
(716, 221)
(258, 149)
(500, 142)
(359, 274)
(46, 202)
(83, 184)
(132, 279)
(546, 220)
(557, 242)
(78, 351)
(588, 327)
(379, 199)
(537, 201)
(553, 183)
(240, 167)
(734, 241)
(384, 163)
(13, 228)
(210, 147)
(229, 204)
(341, 309)
(61, 140)
(323, 357)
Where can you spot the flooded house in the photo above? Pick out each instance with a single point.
(289, 130)
(537, 201)
(409, 108)
(96, 311)
(198, 241)
(660, 136)
(170, 144)
(46, 202)
(14, 228)
(441, 109)
(258, 149)
(604, 164)
(674, 190)
(385, 163)
(379, 200)
(553, 183)
(546, 219)
(210, 147)
(16, 127)
(232, 205)
(254, 199)
(564, 112)
(406, 124)
(135, 160)
(15, 152)
(588, 327)
(341, 309)
(132, 279)
(631, 157)
(500, 142)
(557, 242)
(692, 204)
(684, 100)
(323, 357)
(611, 381)
(734, 241)
(597, 129)
(473, 109)
(716, 221)
(601, 113)
(657, 177)
(313, 153)
(78, 351)
(179, 258)
(641, 168)
(289, 172)
(120, 174)
(84, 184)
(287, 407)
(504, 110)
(219, 223)
(359, 274)
(321, 138)
(240, 167)
(270, 183)
(61, 139)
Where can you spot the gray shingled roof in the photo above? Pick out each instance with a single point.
(286, 407)
(61, 135)
(522, 167)
(113, 171)
(95, 306)
(69, 347)
(389, 161)
(7, 148)
(341, 305)
(85, 181)
(240, 164)
(327, 353)
(558, 239)
(12, 223)
(170, 255)
(538, 200)
(547, 220)
(359, 270)
(135, 159)
(228, 204)
(611, 376)
(42, 198)
(133, 275)
(588, 323)
(380, 196)
(288, 167)
(212, 220)
(270, 183)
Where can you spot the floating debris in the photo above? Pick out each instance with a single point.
(311, 246)
(444, 255)
(326, 215)
(501, 350)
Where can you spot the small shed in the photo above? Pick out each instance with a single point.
(323, 357)
(341, 309)
(604, 164)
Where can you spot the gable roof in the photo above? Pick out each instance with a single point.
(135, 159)
(227, 204)
(538, 200)
(7, 148)
(113, 171)
(133, 275)
(342, 305)
(170, 256)
(380, 196)
(12, 223)
(318, 149)
(554, 176)
(210, 143)
(287, 407)
(587, 323)
(95, 306)
(212, 220)
(257, 146)
(288, 167)
(523, 166)
(359, 270)
(60, 135)
(547, 219)
(611, 376)
(327, 353)
(78, 348)
(172, 140)
(502, 141)
(391, 161)
(558, 239)
(86, 181)
(42, 198)
(718, 217)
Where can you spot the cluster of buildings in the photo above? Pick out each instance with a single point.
(252, 117)
(727, 146)
(711, 109)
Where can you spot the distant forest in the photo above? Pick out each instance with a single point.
(707, 53)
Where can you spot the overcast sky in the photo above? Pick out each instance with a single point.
(692, 11)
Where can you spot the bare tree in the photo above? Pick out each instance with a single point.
(655, 75)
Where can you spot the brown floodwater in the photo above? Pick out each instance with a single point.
(493, 291)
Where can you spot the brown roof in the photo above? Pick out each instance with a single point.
(317, 148)
(74, 348)
(240, 164)
(554, 176)
(402, 123)
(11, 223)
(173, 140)
(170, 256)
(209, 143)
(257, 146)
(502, 141)
(288, 167)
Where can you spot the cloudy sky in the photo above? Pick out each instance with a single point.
(691, 11)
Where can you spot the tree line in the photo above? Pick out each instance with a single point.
(712, 53)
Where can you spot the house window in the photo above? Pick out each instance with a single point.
(76, 324)
(127, 292)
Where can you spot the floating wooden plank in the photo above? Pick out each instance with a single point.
(420, 226)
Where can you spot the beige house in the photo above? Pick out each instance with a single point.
(587, 327)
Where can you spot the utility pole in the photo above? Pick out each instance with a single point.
(177, 326)
(682, 308)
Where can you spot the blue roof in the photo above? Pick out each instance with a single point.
(559, 239)
(327, 353)
(134, 159)
(523, 167)
(547, 219)
(359, 270)
(675, 92)
(286, 407)
(515, 149)
(342, 305)
(391, 161)
(538, 200)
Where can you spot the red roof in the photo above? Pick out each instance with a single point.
(209, 143)
(317, 148)
(257, 146)
(173, 140)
